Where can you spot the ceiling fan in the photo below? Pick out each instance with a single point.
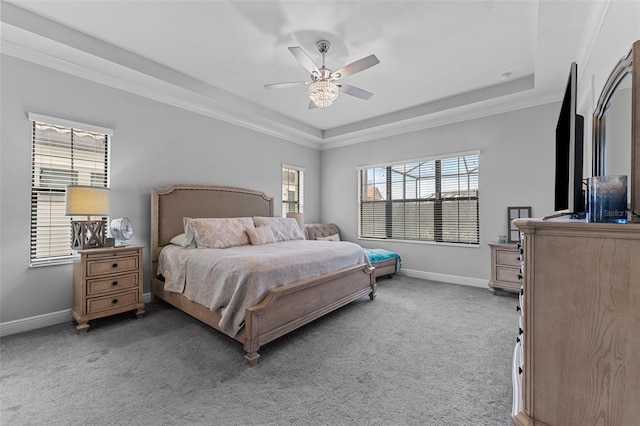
(323, 88)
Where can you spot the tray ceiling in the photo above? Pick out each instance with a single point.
(440, 61)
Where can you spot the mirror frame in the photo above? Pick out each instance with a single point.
(623, 67)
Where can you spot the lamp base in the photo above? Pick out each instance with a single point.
(87, 234)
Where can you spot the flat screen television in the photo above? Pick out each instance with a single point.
(569, 190)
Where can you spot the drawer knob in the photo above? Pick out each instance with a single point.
(115, 283)
(519, 370)
(517, 306)
(519, 330)
(115, 265)
(114, 301)
(517, 340)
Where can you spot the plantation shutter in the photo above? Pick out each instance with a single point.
(62, 153)
(292, 189)
(432, 199)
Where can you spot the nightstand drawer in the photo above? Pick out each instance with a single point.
(111, 284)
(112, 265)
(504, 257)
(507, 274)
(107, 303)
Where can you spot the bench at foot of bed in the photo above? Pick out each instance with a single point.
(386, 262)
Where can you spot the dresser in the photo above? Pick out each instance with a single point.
(505, 267)
(577, 355)
(106, 281)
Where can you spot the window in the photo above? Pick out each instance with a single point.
(292, 189)
(432, 199)
(61, 155)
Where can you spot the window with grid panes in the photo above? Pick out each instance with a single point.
(292, 189)
(62, 153)
(433, 199)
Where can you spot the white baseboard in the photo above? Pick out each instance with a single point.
(445, 278)
(45, 320)
(53, 318)
(32, 323)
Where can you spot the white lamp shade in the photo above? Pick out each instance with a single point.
(87, 201)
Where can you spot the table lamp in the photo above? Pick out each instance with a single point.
(87, 201)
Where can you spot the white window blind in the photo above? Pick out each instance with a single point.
(424, 200)
(61, 156)
(292, 189)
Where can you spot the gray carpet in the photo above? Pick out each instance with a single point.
(422, 353)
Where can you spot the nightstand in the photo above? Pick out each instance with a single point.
(107, 281)
(505, 267)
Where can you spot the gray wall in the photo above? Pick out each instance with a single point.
(153, 145)
(516, 169)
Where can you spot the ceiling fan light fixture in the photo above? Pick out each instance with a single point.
(323, 92)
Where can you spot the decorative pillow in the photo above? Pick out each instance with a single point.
(218, 232)
(284, 228)
(261, 235)
(334, 237)
(180, 240)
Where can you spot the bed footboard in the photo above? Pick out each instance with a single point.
(289, 307)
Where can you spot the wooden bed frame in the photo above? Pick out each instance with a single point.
(285, 308)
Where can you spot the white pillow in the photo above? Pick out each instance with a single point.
(284, 228)
(261, 235)
(180, 240)
(218, 232)
(334, 237)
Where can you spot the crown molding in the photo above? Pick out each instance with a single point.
(445, 117)
(35, 39)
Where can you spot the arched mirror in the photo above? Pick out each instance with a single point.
(616, 127)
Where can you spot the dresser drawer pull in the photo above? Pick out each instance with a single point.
(519, 330)
(517, 306)
(519, 370)
(115, 265)
(517, 340)
(114, 301)
(115, 283)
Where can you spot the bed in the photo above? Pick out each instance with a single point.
(285, 307)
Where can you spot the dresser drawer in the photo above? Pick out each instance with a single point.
(112, 283)
(504, 273)
(111, 302)
(507, 257)
(112, 265)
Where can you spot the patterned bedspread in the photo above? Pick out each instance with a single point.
(238, 277)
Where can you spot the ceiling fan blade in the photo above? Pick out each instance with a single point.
(312, 105)
(357, 66)
(304, 59)
(355, 91)
(285, 85)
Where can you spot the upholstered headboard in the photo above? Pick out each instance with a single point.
(169, 205)
(313, 231)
